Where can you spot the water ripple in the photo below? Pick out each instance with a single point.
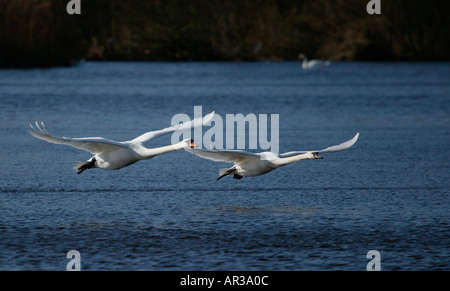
(200, 189)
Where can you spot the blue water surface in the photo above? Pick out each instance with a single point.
(389, 193)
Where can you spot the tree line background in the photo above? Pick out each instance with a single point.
(41, 33)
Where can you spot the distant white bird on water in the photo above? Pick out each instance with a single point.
(255, 164)
(311, 64)
(114, 155)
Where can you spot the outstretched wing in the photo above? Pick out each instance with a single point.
(227, 156)
(342, 146)
(94, 145)
(336, 148)
(146, 137)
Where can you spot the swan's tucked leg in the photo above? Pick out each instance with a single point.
(226, 172)
(81, 166)
(236, 176)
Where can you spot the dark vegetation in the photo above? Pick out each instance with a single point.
(41, 33)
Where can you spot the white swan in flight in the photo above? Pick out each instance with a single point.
(310, 64)
(254, 164)
(114, 155)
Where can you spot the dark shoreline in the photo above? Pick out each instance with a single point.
(40, 33)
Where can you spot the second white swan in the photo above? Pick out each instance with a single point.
(255, 164)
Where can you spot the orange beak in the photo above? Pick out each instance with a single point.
(316, 156)
(192, 144)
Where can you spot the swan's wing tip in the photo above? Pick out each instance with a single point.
(343, 146)
(355, 138)
(35, 127)
(39, 129)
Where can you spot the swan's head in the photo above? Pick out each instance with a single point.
(188, 143)
(316, 155)
(313, 155)
(301, 56)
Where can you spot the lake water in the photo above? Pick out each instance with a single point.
(389, 193)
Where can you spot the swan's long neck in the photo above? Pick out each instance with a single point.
(293, 159)
(150, 153)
